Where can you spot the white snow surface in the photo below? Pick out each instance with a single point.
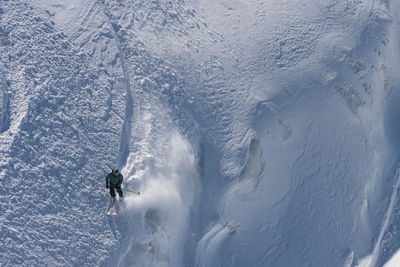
(259, 133)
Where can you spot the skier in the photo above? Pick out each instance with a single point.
(114, 181)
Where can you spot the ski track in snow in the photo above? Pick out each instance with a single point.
(258, 133)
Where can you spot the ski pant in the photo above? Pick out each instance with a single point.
(119, 190)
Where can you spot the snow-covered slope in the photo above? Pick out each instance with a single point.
(60, 126)
(260, 133)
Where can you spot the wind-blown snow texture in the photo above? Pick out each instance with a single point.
(260, 133)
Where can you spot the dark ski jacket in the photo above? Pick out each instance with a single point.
(114, 180)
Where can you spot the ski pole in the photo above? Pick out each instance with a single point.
(105, 172)
(138, 192)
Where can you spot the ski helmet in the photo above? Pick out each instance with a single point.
(115, 171)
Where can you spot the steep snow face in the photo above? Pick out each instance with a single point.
(259, 133)
(309, 170)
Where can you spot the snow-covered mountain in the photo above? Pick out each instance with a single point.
(259, 133)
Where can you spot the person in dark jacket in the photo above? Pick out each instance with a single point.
(114, 181)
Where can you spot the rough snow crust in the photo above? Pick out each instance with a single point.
(260, 133)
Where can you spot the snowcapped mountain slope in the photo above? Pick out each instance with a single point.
(259, 133)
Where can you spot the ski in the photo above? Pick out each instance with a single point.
(114, 207)
(115, 212)
(110, 207)
(117, 206)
